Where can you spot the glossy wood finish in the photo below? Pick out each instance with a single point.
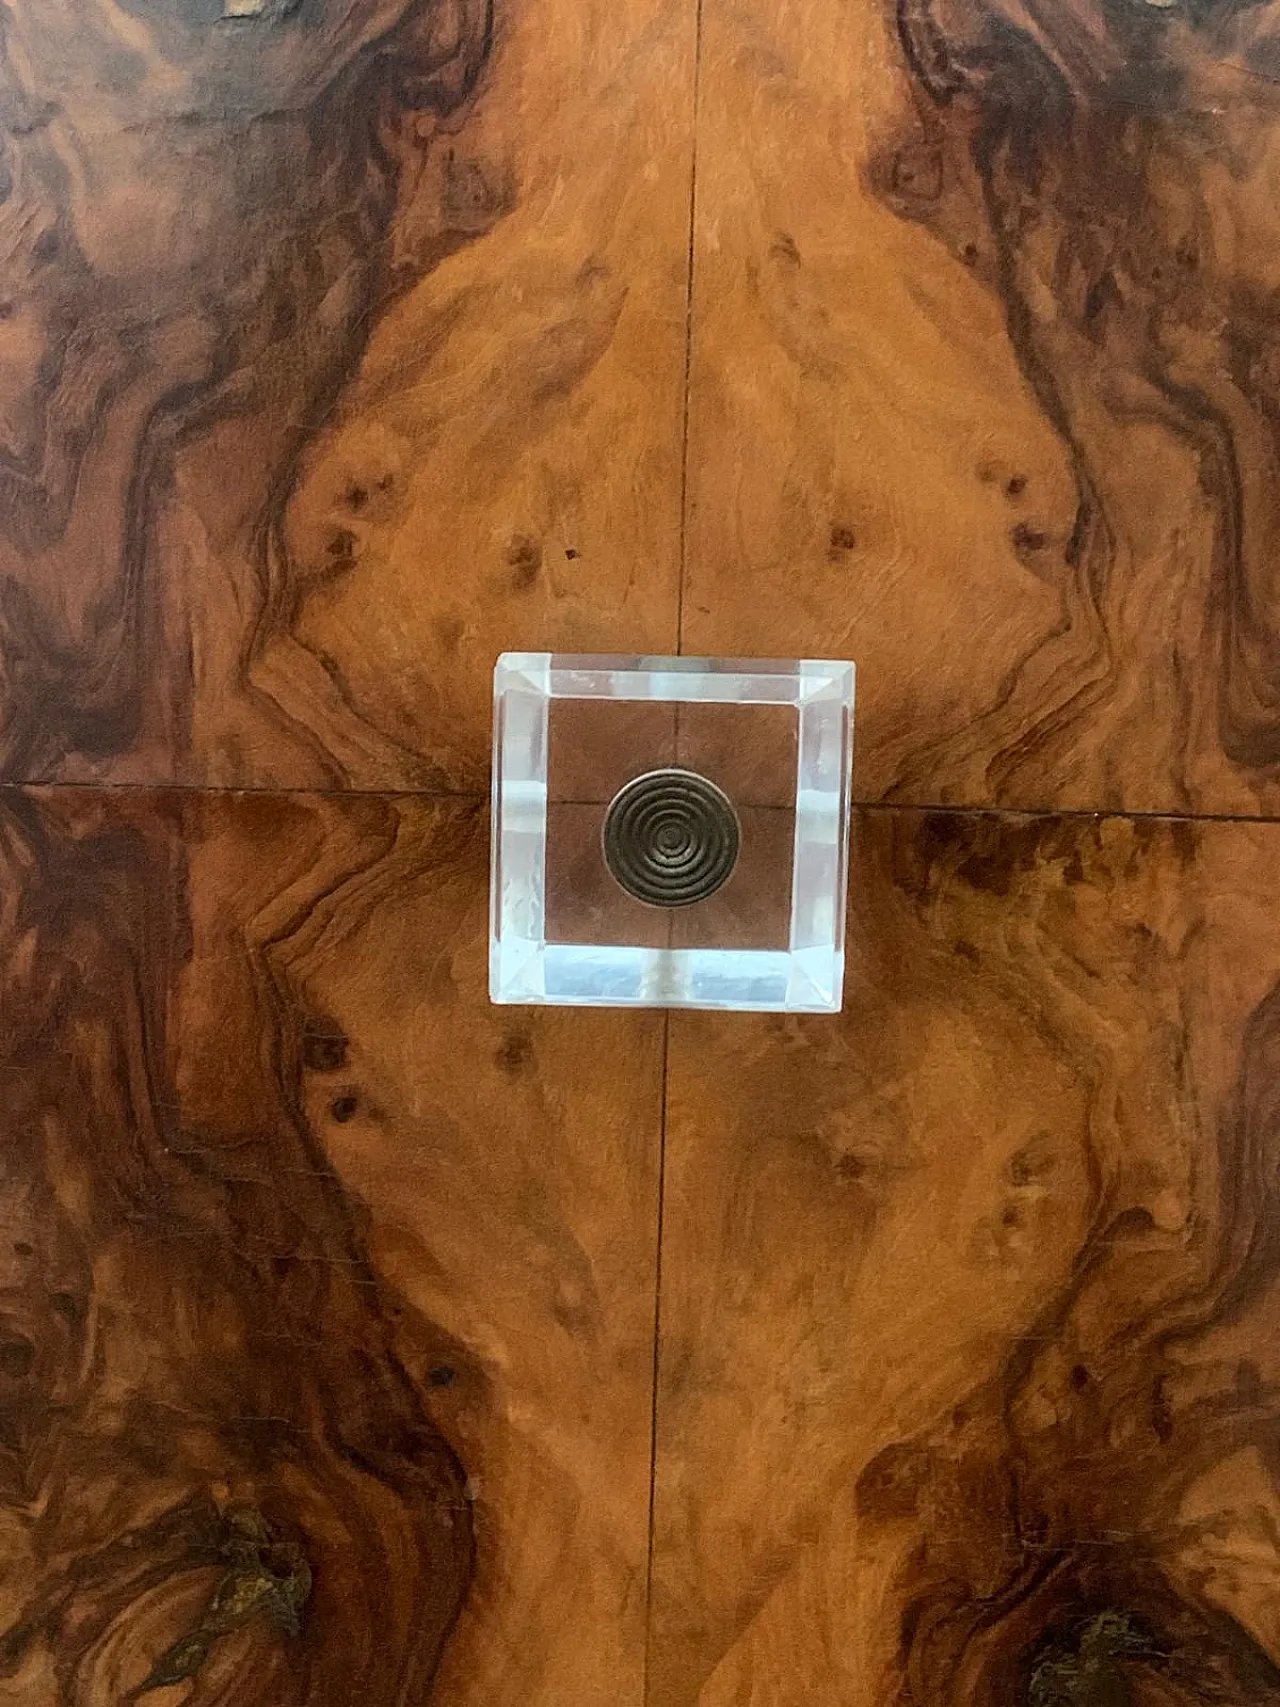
(505, 469)
(249, 539)
(968, 1379)
(318, 318)
(966, 1385)
(978, 389)
(360, 1342)
(982, 387)
(262, 1121)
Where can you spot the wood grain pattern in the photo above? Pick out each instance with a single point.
(981, 387)
(504, 471)
(234, 550)
(343, 344)
(194, 220)
(212, 1450)
(968, 1380)
(267, 1415)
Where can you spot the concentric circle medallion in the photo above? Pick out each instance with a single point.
(671, 837)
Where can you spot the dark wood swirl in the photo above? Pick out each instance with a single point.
(200, 1373)
(343, 345)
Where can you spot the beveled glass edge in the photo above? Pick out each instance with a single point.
(527, 670)
(827, 679)
(807, 981)
(823, 809)
(517, 676)
(675, 679)
(815, 977)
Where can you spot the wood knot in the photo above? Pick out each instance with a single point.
(843, 539)
(265, 1578)
(524, 556)
(916, 173)
(325, 1047)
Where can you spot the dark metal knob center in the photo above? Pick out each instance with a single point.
(671, 837)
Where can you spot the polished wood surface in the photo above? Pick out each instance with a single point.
(360, 353)
(983, 387)
(344, 346)
(361, 1342)
(969, 1304)
(263, 1121)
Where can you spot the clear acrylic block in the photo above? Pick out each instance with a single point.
(670, 832)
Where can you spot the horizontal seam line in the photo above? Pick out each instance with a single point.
(481, 796)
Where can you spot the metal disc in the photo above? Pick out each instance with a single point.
(671, 837)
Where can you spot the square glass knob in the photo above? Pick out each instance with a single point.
(670, 832)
